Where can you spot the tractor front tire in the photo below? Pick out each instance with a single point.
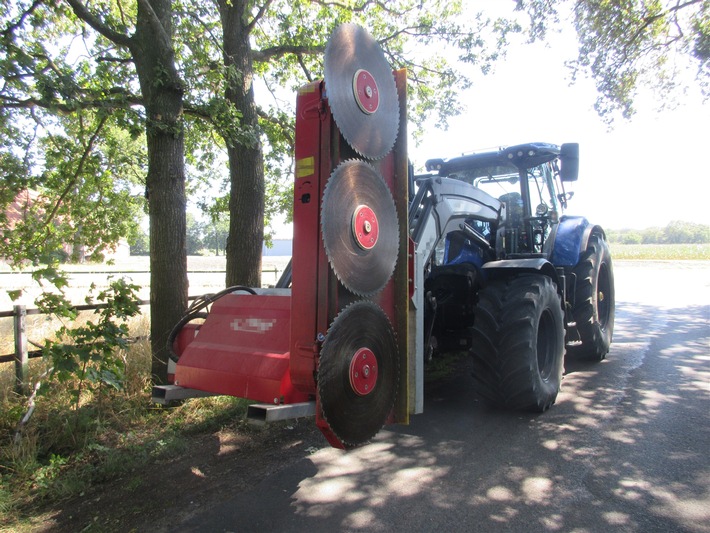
(518, 343)
(594, 301)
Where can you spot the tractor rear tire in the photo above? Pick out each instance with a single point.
(594, 301)
(518, 343)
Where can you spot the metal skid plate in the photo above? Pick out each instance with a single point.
(360, 227)
(358, 373)
(361, 91)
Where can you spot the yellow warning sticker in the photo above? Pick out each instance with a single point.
(308, 88)
(305, 167)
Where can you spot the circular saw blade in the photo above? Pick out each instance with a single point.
(361, 91)
(360, 227)
(358, 373)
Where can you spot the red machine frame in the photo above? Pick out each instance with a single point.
(266, 346)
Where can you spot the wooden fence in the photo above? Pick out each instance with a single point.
(22, 354)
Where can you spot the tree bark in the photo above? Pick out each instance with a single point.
(165, 184)
(246, 164)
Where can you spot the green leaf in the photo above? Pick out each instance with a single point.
(15, 294)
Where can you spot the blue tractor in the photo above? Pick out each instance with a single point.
(506, 274)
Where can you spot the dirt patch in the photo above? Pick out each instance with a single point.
(212, 468)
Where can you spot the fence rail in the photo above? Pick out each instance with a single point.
(22, 355)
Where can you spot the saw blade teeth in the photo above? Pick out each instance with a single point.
(361, 91)
(368, 156)
(358, 145)
(362, 250)
(354, 403)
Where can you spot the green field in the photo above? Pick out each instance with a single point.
(656, 252)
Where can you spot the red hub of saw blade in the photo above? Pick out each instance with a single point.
(367, 94)
(366, 229)
(363, 371)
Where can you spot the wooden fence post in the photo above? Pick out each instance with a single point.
(21, 366)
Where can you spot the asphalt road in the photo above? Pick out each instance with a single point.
(625, 448)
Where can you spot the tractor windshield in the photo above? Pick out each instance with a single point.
(532, 206)
(495, 180)
(503, 182)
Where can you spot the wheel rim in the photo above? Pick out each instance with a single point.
(546, 345)
(604, 302)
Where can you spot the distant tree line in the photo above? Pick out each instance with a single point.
(202, 238)
(676, 232)
(211, 237)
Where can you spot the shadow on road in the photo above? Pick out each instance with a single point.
(624, 449)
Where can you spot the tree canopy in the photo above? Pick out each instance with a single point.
(628, 44)
(73, 74)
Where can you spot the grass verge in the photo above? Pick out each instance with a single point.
(62, 452)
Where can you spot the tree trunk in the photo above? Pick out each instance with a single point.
(168, 258)
(165, 184)
(246, 164)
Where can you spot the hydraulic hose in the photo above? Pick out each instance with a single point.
(195, 311)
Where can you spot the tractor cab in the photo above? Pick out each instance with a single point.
(528, 180)
(520, 196)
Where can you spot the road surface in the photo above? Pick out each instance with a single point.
(625, 448)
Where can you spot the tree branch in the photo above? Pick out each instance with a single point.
(26, 160)
(286, 128)
(12, 27)
(217, 42)
(362, 7)
(109, 59)
(79, 169)
(87, 16)
(304, 68)
(197, 111)
(680, 6)
(120, 11)
(262, 10)
(125, 102)
(274, 52)
(648, 21)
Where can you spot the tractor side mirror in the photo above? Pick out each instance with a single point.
(569, 161)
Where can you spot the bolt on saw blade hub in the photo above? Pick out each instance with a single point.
(366, 228)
